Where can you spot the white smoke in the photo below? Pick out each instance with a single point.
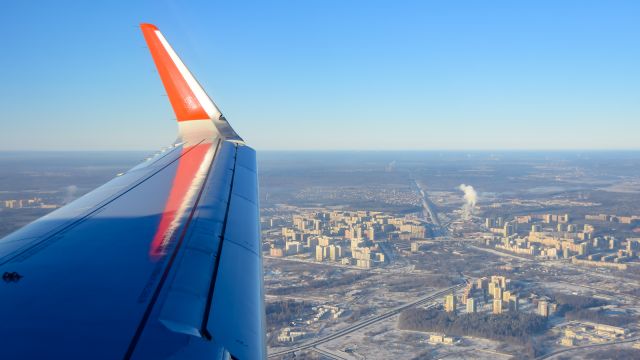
(470, 198)
(390, 166)
(69, 194)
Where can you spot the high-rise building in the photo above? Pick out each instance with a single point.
(497, 306)
(371, 234)
(598, 243)
(588, 228)
(613, 243)
(349, 234)
(543, 308)
(292, 247)
(505, 240)
(471, 305)
(466, 293)
(361, 253)
(514, 303)
(276, 252)
(507, 230)
(497, 293)
(563, 218)
(299, 222)
(320, 253)
(355, 243)
(583, 249)
(506, 295)
(450, 303)
(335, 252)
(324, 241)
(482, 283)
(632, 246)
(500, 280)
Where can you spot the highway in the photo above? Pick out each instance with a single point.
(500, 253)
(378, 270)
(298, 298)
(366, 322)
(312, 261)
(429, 211)
(328, 354)
(562, 351)
(556, 264)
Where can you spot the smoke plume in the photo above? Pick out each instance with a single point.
(470, 198)
(69, 194)
(390, 166)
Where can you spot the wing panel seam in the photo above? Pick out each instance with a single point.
(207, 310)
(165, 274)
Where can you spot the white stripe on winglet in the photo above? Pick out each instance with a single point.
(198, 91)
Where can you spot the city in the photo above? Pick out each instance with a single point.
(539, 272)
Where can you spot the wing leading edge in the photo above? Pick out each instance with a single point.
(161, 262)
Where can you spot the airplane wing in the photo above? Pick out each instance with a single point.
(163, 261)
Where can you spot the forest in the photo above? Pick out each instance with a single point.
(515, 327)
(512, 327)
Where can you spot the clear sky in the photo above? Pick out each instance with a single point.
(322, 74)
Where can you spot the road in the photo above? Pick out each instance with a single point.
(330, 355)
(309, 261)
(366, 322)
(428, 207)
(386, 269)
(500, 253)
(299, 298)
(557, 264)
(562, 351)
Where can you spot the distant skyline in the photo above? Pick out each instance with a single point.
(328, 75)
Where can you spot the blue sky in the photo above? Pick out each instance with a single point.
(327, 74)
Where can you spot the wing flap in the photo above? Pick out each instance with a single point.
(237, 314)
(216, 297)
(188, 296)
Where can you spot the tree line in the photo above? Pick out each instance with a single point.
(280, 313)
(516, 328)
(513, 327)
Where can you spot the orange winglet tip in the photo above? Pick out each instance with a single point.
(187, 98)
(147, 25)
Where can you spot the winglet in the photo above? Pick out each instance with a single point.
(189, 100)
